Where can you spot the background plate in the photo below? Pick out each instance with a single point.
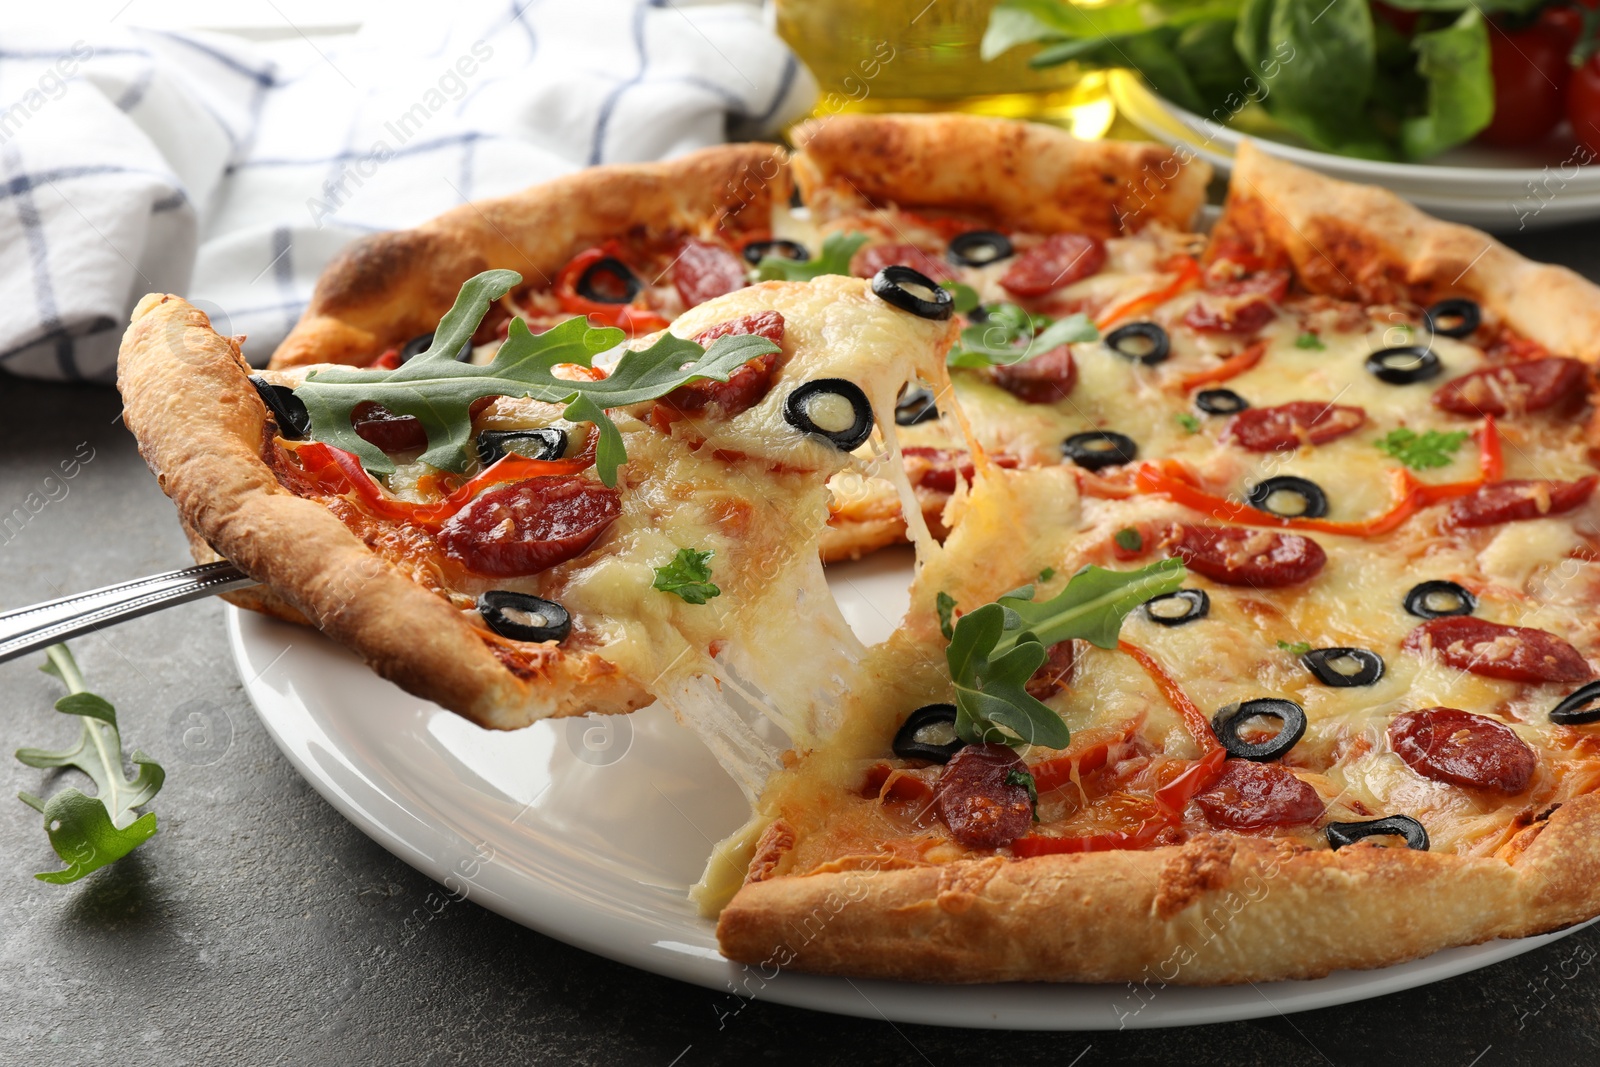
(1493, 189)
(592, 830)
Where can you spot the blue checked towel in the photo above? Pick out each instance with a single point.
(135, 160)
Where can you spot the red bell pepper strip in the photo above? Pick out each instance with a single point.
(1196, 779)
(1188, 271)
(1172, 480)
(635, 320)
(1491, 468)
(1043, 845)
(1054, 773)
(348, 476)
(1199, 726)
(1231, 367)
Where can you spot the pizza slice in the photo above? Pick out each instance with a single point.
(582, 524)
(1362, 729)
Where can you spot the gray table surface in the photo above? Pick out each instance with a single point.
(234, 935)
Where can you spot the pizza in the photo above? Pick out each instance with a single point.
(1252, 632)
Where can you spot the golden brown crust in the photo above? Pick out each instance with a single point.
(200, 427)
(388, 288)
(1217, 910)
(1016, 175)
(1360, 242)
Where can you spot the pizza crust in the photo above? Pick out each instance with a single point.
(385, 289)
(1017, 175)
(1363, 243)
(200, 426)
(1216, 910)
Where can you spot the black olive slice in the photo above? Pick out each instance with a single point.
(1434, 600)
(615, 269)
(419, 344)
(522, 617)
(1404, 364)
(979, 248)
(1581, 707)
(1341, 834)
(288, 410)
(1141, 342)
(1175, 609)
(1099, 448)
(929, 733)
(978, 314)
(915, 406)
(1344, 668)
(548, 443)
(1220, 402)
(1225, 724)
(831, 408)
(1289, 497)
(756, 251)
(903, 288)
(1454, 318)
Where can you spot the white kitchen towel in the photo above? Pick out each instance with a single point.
(137, 160)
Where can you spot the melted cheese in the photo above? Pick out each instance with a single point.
(1018, 522)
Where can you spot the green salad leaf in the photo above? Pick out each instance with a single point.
(688, 576)
(1455, 62)
(438, 391)
(837, 251)
(1010, 335)
(996, 648)
(1327, 72)
(90, 832)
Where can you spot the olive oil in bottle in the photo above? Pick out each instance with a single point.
(923, 55)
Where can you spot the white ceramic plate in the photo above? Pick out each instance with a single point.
(1503, 190)
(592, 830)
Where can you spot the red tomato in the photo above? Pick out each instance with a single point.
(1531, 73)
(1565, 20)
(1583, 105)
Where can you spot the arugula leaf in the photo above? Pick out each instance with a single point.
(1454, 61)
(945, 605)
(995, 649)
(1422, 451)
(1187, 421)
(687, 575)
(1047, 574)
(1025, 779)
(964, 298)
(1296, 648)
(837, 251)
(438, 391)
(1011, 335)
(1311, 341)
(90, 832)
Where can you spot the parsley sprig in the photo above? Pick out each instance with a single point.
(1010, 335)
(438, 391)
(688, 574)
(837, 251)
(995, 649)
(90, 832)
(1422, 451)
